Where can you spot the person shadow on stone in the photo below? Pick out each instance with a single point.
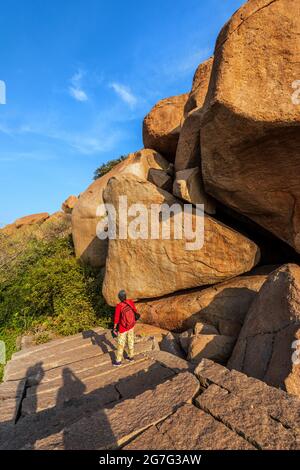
(100, 340)
(72, 388)
(34, 376)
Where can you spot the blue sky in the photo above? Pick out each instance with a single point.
(80, 76)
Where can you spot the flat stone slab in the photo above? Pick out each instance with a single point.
(86, 367)
(111, 428)
(192, 429)
(68, 342)
(268, 418)
(130, 379)
(12, 389)
(59, 357)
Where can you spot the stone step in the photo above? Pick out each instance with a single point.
(143, 373)
(267, 417)
(60, 355)
(110, 428)
(86, 365)
(13, 389)
(192, 429)
(128, 381)
(67, 342)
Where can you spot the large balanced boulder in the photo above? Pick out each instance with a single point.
(85, 215)
(224, 306)
(199, 87)
(161, 127)
(265, 346)
(250, 131)
(188, 153)
(151, 267)
(188, 186)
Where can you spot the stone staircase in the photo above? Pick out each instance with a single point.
(66, 394)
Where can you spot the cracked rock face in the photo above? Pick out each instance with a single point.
(161, 127)
(154, 267)
(265, 346)
(250, 132)
(88, 247)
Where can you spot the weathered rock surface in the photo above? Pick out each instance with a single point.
(224, 306)
(161, 179)
(218, 348)
(265, 346)
(69, 204)
(171, 344)
(152, 403)
(32, 219)
(250, 132)
(159, 266)
(202, 328)
(189, 428)
(199, 87)
(107, 429)
(86, 216)
(162, 125)
(188, 153)
(266, 417)
(188, 186)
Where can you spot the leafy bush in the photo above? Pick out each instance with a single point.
(48, 288)
(106, 167)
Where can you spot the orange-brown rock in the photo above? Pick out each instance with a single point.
(161, 127)
(224, 306)
(69, 204)
(32, 219)
(199, 87)
(269, 343)
(188, 186)
(88, 246)
(148, 268)
(218, 348)
(250, 132)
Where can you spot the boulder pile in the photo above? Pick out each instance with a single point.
(231, 144)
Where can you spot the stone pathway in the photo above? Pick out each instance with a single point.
(67, 395)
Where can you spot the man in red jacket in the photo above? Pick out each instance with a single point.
(125, 319)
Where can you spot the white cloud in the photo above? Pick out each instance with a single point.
(76, 90)
(124, 93)
(78, 94)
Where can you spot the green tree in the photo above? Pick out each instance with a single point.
(106, 167)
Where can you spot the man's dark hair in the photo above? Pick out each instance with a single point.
(122, 295)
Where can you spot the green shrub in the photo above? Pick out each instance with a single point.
(49, 288)
(106, 167)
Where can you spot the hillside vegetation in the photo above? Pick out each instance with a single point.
(43, 288)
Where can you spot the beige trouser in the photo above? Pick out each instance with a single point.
(125, 338)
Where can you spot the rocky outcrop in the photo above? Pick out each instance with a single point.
(85, 217)
(188, 154)
(161, 127)
(69, 204)
(31, 219)
(232, 412)
(218, 348)
(250, 132)
(155, 402)
(154, 267)
(224, 306)
(188, 186)
(265, 346)
(199, 87)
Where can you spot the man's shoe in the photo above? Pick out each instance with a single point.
(130, 359)
(117, 364)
